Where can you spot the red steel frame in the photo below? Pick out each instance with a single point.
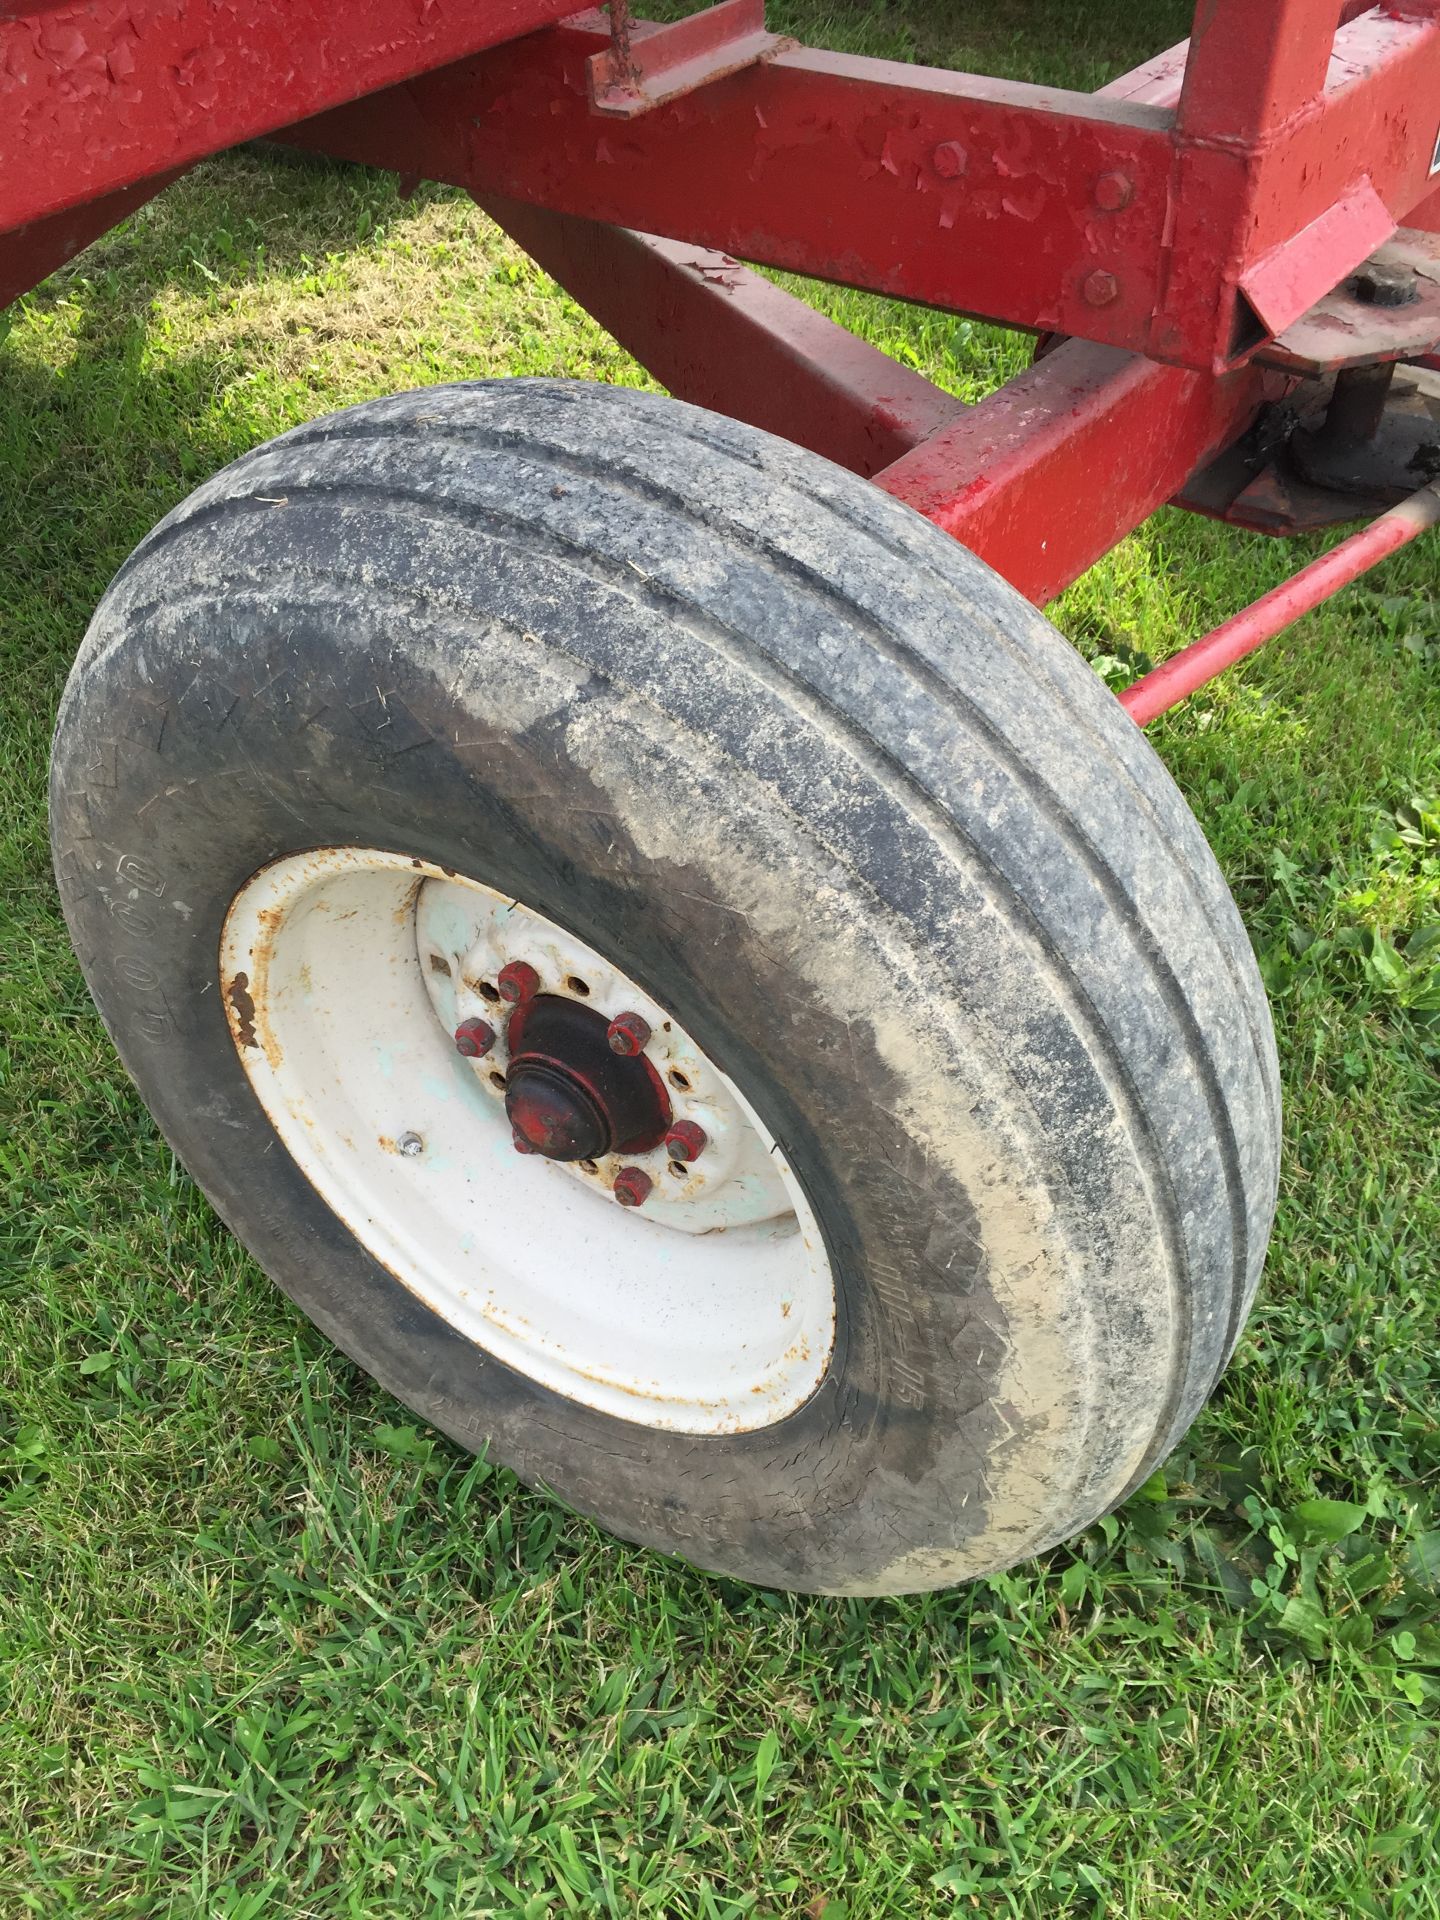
(1164, 230)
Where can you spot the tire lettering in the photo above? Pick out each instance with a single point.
(140, 874)
(134, 917)
(136, 973)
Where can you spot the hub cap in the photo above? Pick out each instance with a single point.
(686, 1294)
(569, 1095)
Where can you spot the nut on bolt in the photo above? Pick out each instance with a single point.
(1114, 192)
(686, 1140)
(949, 159)
(629, 1035)
(632, 1186)
(518, 981)
(474, 1038)
(1101, 288)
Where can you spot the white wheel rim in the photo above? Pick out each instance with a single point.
(710, 1309)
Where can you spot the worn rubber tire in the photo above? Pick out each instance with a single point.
(838, 796)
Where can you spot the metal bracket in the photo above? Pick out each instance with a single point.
(1387, 309)
(646, 65)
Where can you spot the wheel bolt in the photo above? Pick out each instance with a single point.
(632, 1186)
(474, 1038)
(521, 1144)
(629, 1034)
(518, 981)
(685, 1140)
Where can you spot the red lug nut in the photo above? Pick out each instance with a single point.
(632, 1186)
(517, 981)
(685, 1140)
(474, 1038)
(628, 1034)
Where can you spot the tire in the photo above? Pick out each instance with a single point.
(845, 804)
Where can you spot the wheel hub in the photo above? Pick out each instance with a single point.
(569, 1095)
(367, 997)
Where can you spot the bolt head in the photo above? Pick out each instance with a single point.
(629, 1035)
(1101, 288)
(632, 1186)
(474, 1038)
(1114, 191)
(949, 159)
(521, 1144)
(686, 1140)
(518, 981)
(410, 1144)
(1380, 284)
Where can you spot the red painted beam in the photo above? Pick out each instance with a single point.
(1081, 214)
(1045, 475)
(1248, 630)
(976, 195)
(718, 335)
(28, 254)
(98, 94)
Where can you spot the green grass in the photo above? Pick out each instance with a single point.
(270, 1651)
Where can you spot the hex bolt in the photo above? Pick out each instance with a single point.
(949, 159)
(1113, 192)
(518, 981)
(474, 1038)
(686, 1140)
(1101, 288)
(629, 1035)
(632, 1186)
(410, 1144)
(1382, 283)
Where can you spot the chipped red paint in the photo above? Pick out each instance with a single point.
(633, 1186)
(827, 164)
(628, 1035)
(474, 1038)
(686, 1140)
(517, 981)
(813, 161)
(98, 94)
(570, 1094)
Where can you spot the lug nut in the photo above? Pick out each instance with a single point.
(628, 1034)
(474, 1038)
(685, 1140)
(517, 981)
(632, 1186)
